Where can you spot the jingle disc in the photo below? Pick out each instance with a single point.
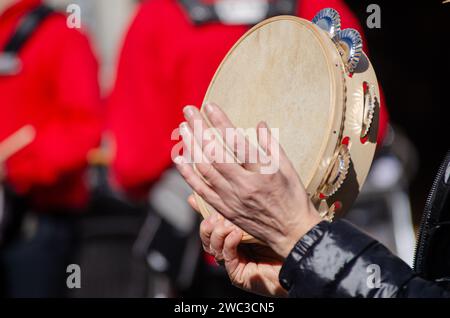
(288, 72)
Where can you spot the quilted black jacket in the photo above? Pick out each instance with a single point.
(338, 260)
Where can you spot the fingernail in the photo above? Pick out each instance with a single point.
(188, 112)
(209, 108)
(227, 223)
(179, 160)
(184, 126)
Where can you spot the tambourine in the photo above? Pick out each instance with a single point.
(313, 82)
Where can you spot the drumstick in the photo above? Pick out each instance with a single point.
(16, 142)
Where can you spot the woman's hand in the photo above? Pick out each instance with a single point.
(274, 208)
(251, 267)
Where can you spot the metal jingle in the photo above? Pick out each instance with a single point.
(328, 213)
(370, 104)
(349, 44)
(328, 20)
(338, 172)
(447, 175)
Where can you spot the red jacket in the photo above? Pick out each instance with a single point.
(167, 63)
(57, 92)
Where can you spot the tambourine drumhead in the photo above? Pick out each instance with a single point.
(289, 73)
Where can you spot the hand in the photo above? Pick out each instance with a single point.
(274, 208)
(251, 267)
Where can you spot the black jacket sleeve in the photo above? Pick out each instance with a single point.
(337, 260)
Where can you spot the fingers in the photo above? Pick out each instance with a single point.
(273, 154)
(222, 229)
(220, 238)
(219, 120)
(191, 148)
(196, 182)
(206, 228)
(198, 126)
(200, 186)
(264, 137)
(230, 246)
(193, 203)
(203, 164)
(212, 148)
(235, 138)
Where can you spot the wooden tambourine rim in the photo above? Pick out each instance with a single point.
(339, 96)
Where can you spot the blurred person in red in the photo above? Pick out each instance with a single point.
(170, 54)
(48, 84)
(169, 57)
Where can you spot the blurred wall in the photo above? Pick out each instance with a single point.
(105, 21)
